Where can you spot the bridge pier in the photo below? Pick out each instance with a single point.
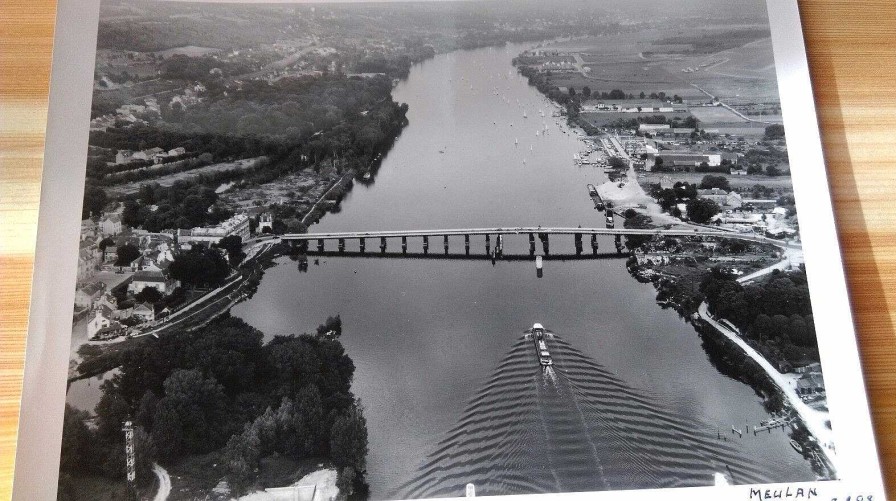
(341, 245)
(425, 244)
(404, 245)
(363, 244)
(446, 244)
(383, 244)
(499, 245)
(618, 242)
(320, 245)
(545, 242)
(467, 243)
(531, 244)
(594, 243)
(488, 243)
(578, 240)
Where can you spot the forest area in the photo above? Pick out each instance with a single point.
(222, 391)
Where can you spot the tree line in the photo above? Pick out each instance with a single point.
(776, 313)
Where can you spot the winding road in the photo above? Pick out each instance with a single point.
(164, 483)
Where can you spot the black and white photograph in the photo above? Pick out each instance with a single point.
(431, 249)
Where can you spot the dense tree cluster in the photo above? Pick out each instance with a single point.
(669, 198)
(701, 210)
(200, 266)
(181, 205)
(773, 132)
(777, 312)
(220, 389)
(710, 182)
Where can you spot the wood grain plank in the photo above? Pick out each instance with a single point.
(852, 54)
(26, 41)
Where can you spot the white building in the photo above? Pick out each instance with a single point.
(110, 225)
(100, 327)
(238, 225)
(266, 220)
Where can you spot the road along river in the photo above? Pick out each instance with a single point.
(430, 337)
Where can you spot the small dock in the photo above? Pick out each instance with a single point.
(771, 425)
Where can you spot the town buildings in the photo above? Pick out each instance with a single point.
(238, 225)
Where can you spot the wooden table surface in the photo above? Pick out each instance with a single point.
(852, 53)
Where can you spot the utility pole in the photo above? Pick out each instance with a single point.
(130, 461)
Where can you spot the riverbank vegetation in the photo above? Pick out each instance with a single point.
(774, 314)
(221, 390)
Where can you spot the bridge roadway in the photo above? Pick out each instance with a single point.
(521, 230)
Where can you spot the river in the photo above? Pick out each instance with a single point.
(427, 334)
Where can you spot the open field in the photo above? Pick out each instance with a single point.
(602, 119)
(780, 183)
(736, 67)
(189, 50)
(170, 179)
(711, 115)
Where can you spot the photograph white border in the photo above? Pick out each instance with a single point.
(49, 330)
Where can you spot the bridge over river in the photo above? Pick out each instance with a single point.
(541, 233)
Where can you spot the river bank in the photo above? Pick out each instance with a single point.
(678, 270)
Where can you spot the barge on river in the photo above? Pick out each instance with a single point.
(541, 349)
(595, 196)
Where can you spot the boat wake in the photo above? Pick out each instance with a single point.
(569, 427)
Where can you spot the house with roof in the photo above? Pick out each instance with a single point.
(810, 383)
(110, 254)
(88, 262)
(721, 197)
(109, 307)
(158, 280)
(86, 295)
(102, 327)
(266, 221)
(110, 225)
(144, 312)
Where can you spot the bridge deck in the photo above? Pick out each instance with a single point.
(523, 230)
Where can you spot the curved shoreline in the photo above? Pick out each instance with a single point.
(813, 420)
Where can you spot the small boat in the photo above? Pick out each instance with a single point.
(539, 262)
(592, 190)
(796, 446)
(367, 176)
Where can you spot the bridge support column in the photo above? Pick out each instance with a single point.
(446, 244)
(531, 243)
(404, 245)
(618, 242)
(341, 245)
(594, 243)
(467, 244)
(363, 244)
(545, 242)
(425, 244)
(578, 241)
(499, 245)
(383, 244)
(488, 243)
(320, 245)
